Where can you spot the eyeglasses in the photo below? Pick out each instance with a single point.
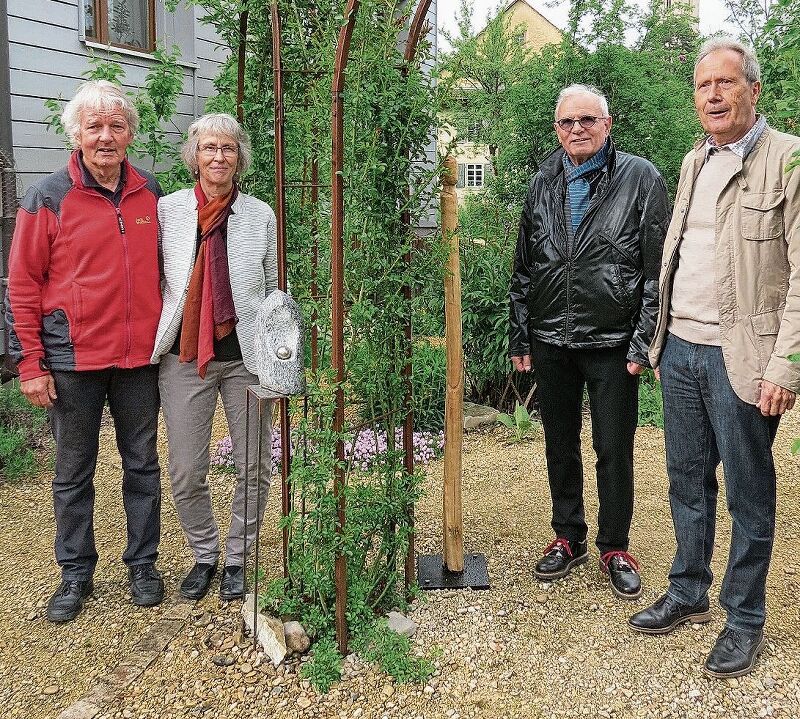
(585, 121)
(211, 150)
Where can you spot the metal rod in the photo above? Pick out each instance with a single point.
(246, 490)
(410, 573)
(318, 73)
(258, 521)
(303, 486)
(415, 30)
(280, 220)
(315, 251)
(337, 304)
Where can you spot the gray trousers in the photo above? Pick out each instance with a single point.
(189, 403)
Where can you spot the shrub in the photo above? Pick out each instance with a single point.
(485, 277)
(325, 666)
(651, 403)
(392, 652)
(22, 433)
(429, 384)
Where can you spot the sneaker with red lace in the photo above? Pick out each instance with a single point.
(560, 556)
(622, 571)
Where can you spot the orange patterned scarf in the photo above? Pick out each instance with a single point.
(208, 313)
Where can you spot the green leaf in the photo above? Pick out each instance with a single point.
(506, 420)
(796, 446)
(521, 414)
(794, 357)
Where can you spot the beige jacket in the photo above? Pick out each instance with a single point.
(757, 264)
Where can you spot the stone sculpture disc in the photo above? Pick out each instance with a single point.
(279, 345)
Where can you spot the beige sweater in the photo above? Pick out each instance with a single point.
(694, 306)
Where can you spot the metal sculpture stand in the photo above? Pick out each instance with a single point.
(262, 397)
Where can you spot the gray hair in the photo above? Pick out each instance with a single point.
(99, 96)
(217, 123)
(578, 89)
(750, 65)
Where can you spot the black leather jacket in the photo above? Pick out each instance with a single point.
(602, 291)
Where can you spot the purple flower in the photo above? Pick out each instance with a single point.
(366, 450)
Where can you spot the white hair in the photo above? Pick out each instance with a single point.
(97, 96)
(578, 89)
(750, 65)
(218, 123)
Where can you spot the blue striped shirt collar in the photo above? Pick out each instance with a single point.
(743, 145)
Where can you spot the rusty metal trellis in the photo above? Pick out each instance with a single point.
(337, 274)
(412, 41)
(337, 302)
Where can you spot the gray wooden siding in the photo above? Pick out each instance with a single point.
(429, 221)
(47, 57)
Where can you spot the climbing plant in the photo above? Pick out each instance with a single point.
(388, 120)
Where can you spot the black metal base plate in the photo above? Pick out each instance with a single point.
(432, 574)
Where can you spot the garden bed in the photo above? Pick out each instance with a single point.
(519, 650)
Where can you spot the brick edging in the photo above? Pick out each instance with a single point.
(131, 666)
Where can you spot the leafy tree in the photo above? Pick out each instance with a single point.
(594, 22)
(750, 17)
(779, 52)
(477, 76)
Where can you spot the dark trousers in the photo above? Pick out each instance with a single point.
(561, 375)
(132, 396)
(705, 422)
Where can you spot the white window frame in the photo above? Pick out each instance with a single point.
(473, 174)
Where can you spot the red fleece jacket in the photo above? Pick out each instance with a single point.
(84, 281)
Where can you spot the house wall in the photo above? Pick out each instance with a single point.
(47, 54)
(538, 30)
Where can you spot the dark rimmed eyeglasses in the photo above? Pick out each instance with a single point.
(585, 121)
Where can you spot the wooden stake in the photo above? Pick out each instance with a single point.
(452, 530)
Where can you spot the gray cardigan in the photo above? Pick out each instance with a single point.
(252, 263)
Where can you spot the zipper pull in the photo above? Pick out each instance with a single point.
(120, 222)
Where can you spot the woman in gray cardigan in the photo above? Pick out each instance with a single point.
(219, 248)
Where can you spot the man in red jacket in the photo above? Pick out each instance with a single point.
(83, 307)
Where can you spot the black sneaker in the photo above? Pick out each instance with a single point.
(665, 614)
(197, 582)
(231, 586)
(147, 587)
(560, 556)
(623, 574)
(67, 601)
(734, 654)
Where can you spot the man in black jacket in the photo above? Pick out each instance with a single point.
(584, 299)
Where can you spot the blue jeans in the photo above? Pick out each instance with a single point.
(705, 422)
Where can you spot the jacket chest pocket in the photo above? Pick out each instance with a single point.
(762, 215)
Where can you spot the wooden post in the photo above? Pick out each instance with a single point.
(452, 530)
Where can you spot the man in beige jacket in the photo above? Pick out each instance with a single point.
(729, 321)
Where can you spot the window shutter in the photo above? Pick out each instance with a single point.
(460, 182)
(488, 171)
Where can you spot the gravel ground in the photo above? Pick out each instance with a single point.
(520, 650)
